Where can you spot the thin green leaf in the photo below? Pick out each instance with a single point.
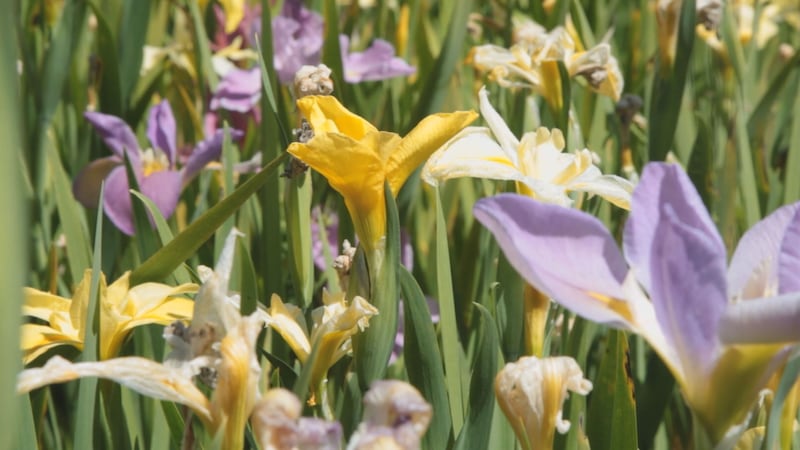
(298, 228)
(668, 86)
(110, 92)
(791, 192)
(423, 361)
(747, 177)
(476, 430)
(72, 220)
(611, 422)
(451, 345)
(132, 39)
(791, 373)
(205, 73)
(185, 244)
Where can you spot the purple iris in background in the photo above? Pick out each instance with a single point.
(721, 332)
(296, 39)
(156, 173)
(373, 64)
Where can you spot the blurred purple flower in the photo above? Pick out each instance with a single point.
(373, 64)
(239, 91)
(156, 173)
(249, 26)
(296, 39)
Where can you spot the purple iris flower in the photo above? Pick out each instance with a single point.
(720, 331)
(375, 63)
(156, 173)
(296, 39)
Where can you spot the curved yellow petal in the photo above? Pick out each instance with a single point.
(327, 115)
(142, 375)
(41, 305)
(172, 309)
(144, 298)
(37, 339)
(430, 134)
(285, 323)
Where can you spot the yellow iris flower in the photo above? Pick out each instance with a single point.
(356, 158)
(334, 324)
(122, 308)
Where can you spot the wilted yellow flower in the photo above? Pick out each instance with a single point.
(531, 393)
(357, 159)
(537, 163)
(228, 354)
(532, 62)
(334, 324)
(122, 308)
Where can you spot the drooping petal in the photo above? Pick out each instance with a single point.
(762, 320)
(206, 151)
(285, 320)
(327, 115)
(86, 186)
(164, 189)
(35, 340)
(41, 305)
(789, 258)
(613, 188)
(472, 153)
(508, 142)
(567, 254)
(429, 134)
(142, 375)
(117, 201)
(688, 291)
(116, 134)
(161, 130)
(662, 184)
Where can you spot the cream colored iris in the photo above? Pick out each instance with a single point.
(334, 324)
(357, 159)
(537, 162)
(532, 62)
(122, 308)
(531, 393)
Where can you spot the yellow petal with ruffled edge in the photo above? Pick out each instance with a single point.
(285, 321)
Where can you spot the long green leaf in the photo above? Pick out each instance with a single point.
(611, 422)
(132, 39)
(110, 92)
(791, 373)
(667, 89)
(423, 361)
(791, 191)
(476, 430)
(169, 257)
(451, 345)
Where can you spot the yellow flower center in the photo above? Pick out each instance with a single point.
(153, 161)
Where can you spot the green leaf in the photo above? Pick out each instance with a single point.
(476, 430)
(611, 421)
(205, 73)
(423, 361)
(434, 87)
(87, 389)
(668, 86)
(451, 345)
(298, 229)
(791, 192)
(132, 39)
(373, 347)
(72, 221)
(791, 373)
(182, 274)
(185, 244)
(747, 177)
(110, 92)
